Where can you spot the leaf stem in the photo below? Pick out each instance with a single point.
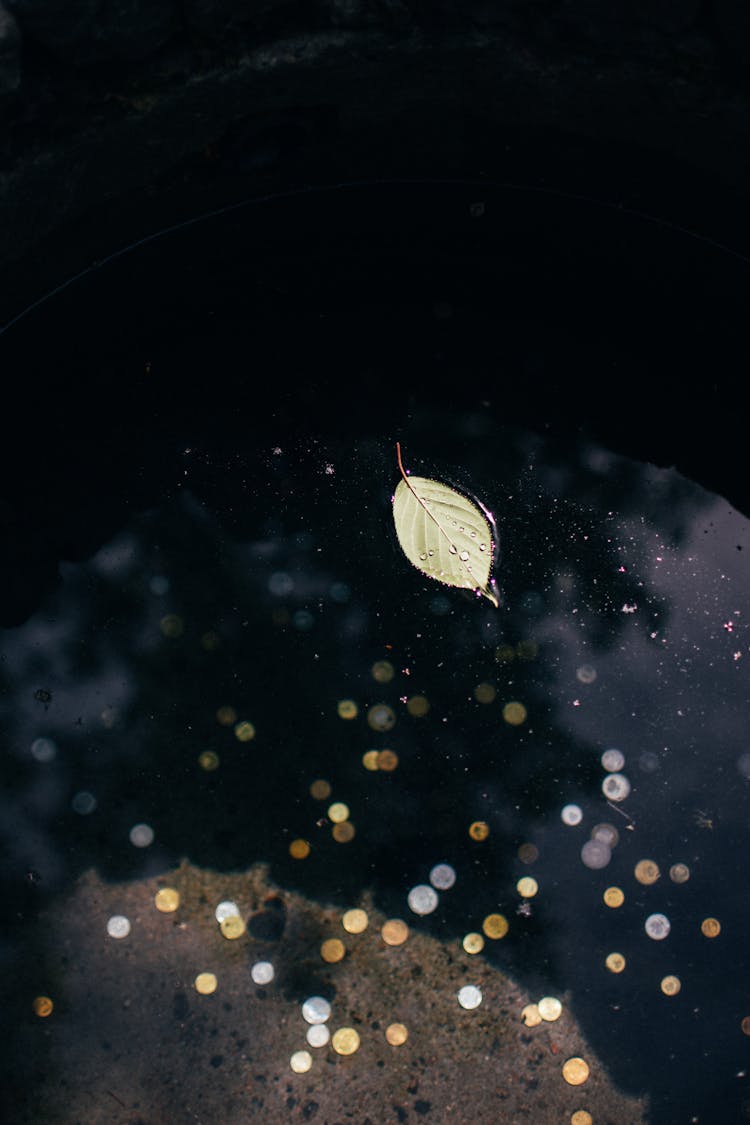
(400, 462)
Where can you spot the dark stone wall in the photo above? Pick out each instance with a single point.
(103, 102)
(122, 117)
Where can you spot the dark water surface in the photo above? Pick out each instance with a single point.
(249, 573)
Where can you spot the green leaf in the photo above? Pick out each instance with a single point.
(444, 534)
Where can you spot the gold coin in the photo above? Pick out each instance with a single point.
(382, 671)
(332, 950)
(531, 1015)
(581, 1117)
(473, 943)
(614, 897)
(387, 760)
(300, 1062)
(338, 812)
(227, 716)
(647, 872)
(396, 1034)
(418, 706)
(208, 761)
(232, 927)
(347, 709)
(172, 625)
(550, 1008)
(167, 900)
(320, 789)
(575, 1071)
(484, 693)
(345, 1041)
(670, 986)
(355, 921)
(514, 713)
(370, 760)
(479, 830)
(244, 731)
(710, 927)
(299, 849)
(615, 962)
(495, 926)
(527, 887)
(381, 717)
(394, 932)
(343, 832)
(205, 983)
(42, 1006)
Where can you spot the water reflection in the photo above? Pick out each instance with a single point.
(187, 689)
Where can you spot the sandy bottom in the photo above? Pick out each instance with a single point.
(130, 1040)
